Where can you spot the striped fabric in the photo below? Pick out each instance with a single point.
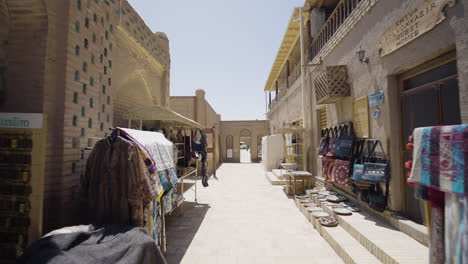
(440, 158)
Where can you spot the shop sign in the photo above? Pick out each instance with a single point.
(229, 154)
(418, 21)
(376, 98)
(20, 120)
(361, 117)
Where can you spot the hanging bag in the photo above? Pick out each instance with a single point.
(340, 172)
(324, 140)
(344, 143)
(376, 170)
(331, 142)
(358, 167)
(327, 167)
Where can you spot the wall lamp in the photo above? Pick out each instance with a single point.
(362, 55)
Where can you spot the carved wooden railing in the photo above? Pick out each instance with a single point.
(334, 21)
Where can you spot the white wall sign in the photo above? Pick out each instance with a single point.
(229, 153)
(21, 120)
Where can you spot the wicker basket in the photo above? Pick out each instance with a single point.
(331, 85)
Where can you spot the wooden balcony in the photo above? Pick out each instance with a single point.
(334, 21)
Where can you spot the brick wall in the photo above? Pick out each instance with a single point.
(25, 56)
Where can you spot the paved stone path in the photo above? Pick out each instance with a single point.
(243, 219)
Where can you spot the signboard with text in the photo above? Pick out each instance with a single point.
(418, 21)
(21, 120)
(376, 99)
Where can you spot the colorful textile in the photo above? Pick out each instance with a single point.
(155, 144)
(436, 245)
(168, 201)
(340, 172)
(456, 229)
(165, 182)
(440, 158)
(172, 176)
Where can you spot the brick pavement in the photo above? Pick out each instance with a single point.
(241, 218)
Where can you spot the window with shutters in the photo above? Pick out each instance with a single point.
(323, 118)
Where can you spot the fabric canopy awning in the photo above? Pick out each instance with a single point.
(159, 113)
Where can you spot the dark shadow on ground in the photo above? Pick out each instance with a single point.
(181, 230)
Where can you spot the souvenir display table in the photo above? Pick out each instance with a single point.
(294, 176)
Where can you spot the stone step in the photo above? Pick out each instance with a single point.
(348, 248)
(383, 240)
(279, 173)
(273, 179)
(412, 229)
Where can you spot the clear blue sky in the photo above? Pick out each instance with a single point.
(225, 47)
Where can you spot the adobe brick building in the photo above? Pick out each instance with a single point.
(81, 63)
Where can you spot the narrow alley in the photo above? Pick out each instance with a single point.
(242, 218)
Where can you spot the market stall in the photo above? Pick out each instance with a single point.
(187, 138)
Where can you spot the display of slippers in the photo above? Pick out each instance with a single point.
(342, 211)
(328, 221)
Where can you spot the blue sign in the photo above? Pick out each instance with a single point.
(376, 98)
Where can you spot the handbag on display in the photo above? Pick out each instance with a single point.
(340, 172)
(331, 142)
(376, 170)
(378, 198)
(345, 141)
(324, 142)
(359, 155)
(327, 167)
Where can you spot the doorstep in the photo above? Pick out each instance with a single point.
(416, 231)
(378, 238)
(279, 173)
(271, 177)
(348, 248)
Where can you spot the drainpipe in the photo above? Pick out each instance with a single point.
(303, 71)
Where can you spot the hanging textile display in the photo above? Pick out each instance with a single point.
(439, 171)
(116, 184)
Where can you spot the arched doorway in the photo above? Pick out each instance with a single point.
(245, 146)
(229, 147)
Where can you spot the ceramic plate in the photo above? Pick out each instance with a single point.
(302, 196)
(306, 201)
(328, 221)
(320, 214)
(314, 209)
(312, 191)
(310, 204)
(342, 211)
(353, 209)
